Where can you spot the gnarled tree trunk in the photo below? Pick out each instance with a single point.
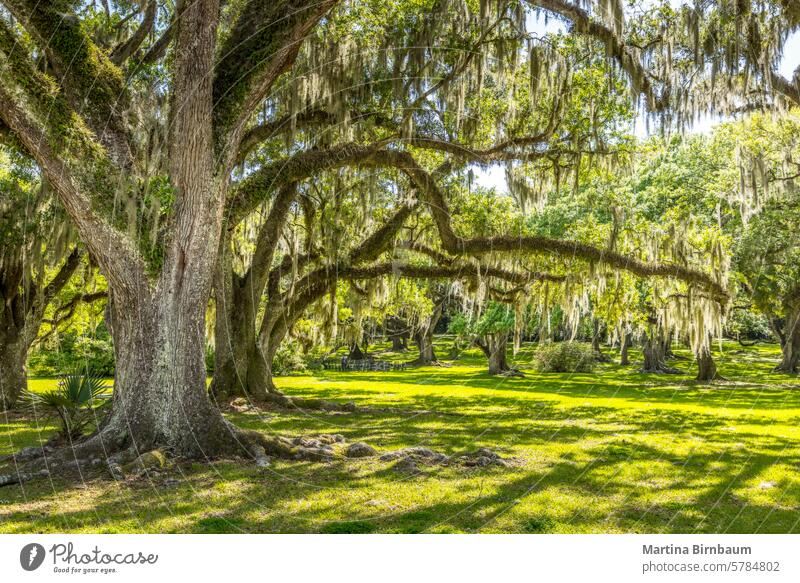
(160, 396)
(706, 367)
(654, 352)
(13, 375)
(790, 346)
(495, 347)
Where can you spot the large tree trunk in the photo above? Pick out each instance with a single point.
(497, 348)
(160, 396)
(234, 339)
(424, 341)
(654, 353)
(790, 347)
(259, 372)
(706, 367)
(423, 336)
(13, 375)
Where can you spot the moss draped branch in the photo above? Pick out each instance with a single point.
(263, 44)
(583, 23)
(93, 85)
(456, 245)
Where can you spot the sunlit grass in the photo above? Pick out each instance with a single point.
(612, 451)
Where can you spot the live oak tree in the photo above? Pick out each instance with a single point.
(38, 257)
(152, 145)
(119, 171)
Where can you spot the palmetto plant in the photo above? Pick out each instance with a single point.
(74, 401)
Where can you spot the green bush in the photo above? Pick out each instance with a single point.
(288, 358)
(74, 401)
(564, 357)
(73, 352)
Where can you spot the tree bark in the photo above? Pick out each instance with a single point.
(706, 367)
(13, 374)
(160, 396)
(497, 348)
(790, 348)
(623, 351)
(423, 335)
(397, 332)
(654, 353)
(596, 337)
(424, 341)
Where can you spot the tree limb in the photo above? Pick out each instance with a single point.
(124, 50)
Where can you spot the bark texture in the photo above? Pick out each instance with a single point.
(654, 352)
(423, 336)
(706, 367)
(790, 345)
(24, 301)
(495, 347)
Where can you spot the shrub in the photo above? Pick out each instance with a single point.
(74, 401)
(73, 352)
(288, 358)
(564, 357)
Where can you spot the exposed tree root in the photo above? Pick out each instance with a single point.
(511, 372)
(121, 456)
(286, 403)
(661, 370)
(410, 459)
(422, 362)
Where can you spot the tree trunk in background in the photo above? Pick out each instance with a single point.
(790, 348)
(623, 351)
(234, 337)
(653, 356)
(355, 352)
(424, 342)
(654, 351)
(596, 337)
(423, 336)
(497, 345)
(397, 332)
(13, 375)
(706, 367)
(23, 302)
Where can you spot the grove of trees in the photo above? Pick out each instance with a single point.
(230, 174)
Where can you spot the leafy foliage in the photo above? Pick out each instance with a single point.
(564, 357)
(75, 401)
(289, 358)
(74, 351)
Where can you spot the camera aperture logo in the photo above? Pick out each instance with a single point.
(66, 559)
(31, 556)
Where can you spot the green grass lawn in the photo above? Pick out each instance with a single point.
(612, 451)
